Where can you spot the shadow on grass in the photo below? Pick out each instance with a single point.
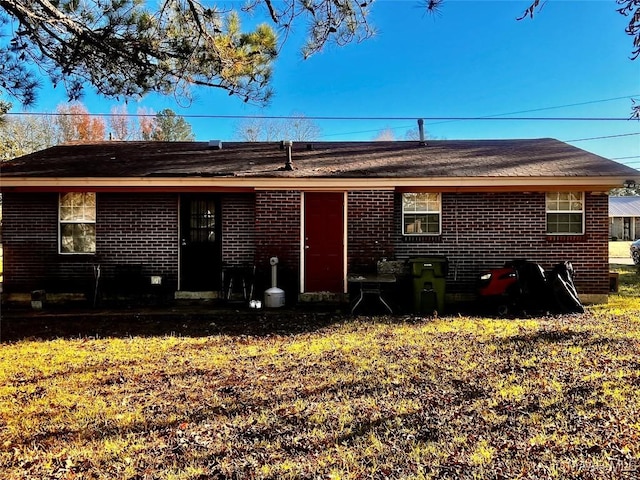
(199, 322)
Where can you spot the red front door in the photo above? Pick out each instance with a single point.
(324, 242)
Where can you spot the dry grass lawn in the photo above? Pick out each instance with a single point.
(452, 397)
(619, 249)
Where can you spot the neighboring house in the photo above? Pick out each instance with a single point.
(181, 212)
(624, 218)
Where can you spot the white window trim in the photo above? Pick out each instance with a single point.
(547, 212)
(61, 222)
(423, 234)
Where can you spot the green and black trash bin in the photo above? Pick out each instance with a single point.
(429, 280)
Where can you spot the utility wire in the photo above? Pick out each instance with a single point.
(598, 138)
(558, 106)
(624, 158)
(374, 130)
(297, 117)
(498, 114)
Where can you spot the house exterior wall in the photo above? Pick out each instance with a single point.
(131, 229)
(138, 229)
(624, 228)
(30, 241)
(616, 227)
(481, 231)
(277, 234)
(238, 232)
(370, 225)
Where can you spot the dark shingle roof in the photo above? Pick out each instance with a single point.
(438, 158)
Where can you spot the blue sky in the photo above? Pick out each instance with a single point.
(472, 60)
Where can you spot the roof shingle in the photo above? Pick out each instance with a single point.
(407, 159)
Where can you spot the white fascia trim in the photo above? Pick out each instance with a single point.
(294, 183)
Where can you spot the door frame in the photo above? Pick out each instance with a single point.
(344, 239)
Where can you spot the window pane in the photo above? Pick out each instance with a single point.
(77, 222)
(566, 223)
(433, 223)
(421, 224)
(89, 213)
(421, 213)
(409, 202)
(66, 213)
(576, 196)
(564, 201)
(575, 223)
(78, 238)
(203, 221)
(78, 207)
(421, 202)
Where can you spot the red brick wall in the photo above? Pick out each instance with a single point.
(131, 229)
(370, 228)
(238, 232)
(277, 233)
(479, 231)
(30, 240)
(482, 231)
(141, 229)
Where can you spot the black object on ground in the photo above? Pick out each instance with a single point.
(524, 286)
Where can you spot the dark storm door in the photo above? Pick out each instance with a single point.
(324, 242)
(200, 251)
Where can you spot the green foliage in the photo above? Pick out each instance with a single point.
(453, 397)
(124, 48)
(625, 192)
(168, 127)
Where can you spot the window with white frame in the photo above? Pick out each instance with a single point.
(565, 213)
(421, 214)
(77, 222)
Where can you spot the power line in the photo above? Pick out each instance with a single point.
(624, 158)
(499, 114)
(364, 131)
(411, 126)
(564, 106)
(605, 136)
(294, 117)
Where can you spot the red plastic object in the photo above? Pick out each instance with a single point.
(501, 279)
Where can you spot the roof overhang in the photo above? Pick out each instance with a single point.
(448, 184)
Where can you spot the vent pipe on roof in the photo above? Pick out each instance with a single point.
(215, 144)
(421, 130)
(289, 164)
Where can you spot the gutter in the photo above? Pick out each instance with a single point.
(499, 184)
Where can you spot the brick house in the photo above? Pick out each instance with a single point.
(624, 218)
(183, 212)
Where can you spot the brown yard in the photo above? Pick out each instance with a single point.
(451, 397)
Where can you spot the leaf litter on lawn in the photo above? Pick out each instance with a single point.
(452, 397)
